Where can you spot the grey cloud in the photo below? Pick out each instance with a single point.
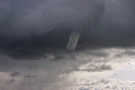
(98, 19)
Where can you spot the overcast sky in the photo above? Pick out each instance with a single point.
(20, 18)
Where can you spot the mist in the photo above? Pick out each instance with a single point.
(44, 23)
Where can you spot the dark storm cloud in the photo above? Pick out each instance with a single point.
(103, 19)
(118, 21)
(25, 16)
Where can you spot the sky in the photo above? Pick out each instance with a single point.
(99, 20)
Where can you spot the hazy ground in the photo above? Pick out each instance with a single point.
(89, 69)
